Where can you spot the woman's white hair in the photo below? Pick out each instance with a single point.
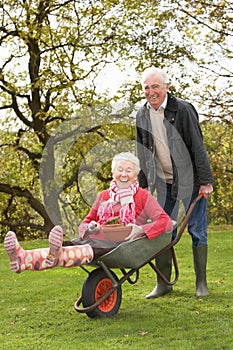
(155, 71)
(130, 157)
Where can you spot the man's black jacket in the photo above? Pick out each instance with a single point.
(190, 162)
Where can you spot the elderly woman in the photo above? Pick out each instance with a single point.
(124, 202)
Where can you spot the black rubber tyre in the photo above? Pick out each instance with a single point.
(95, 286)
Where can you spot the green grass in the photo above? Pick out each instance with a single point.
(37, 307)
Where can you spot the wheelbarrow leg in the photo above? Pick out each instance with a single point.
(164, 264)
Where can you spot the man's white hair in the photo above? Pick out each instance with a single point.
(148, 72)
(130, 157)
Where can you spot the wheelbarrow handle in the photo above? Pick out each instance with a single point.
(183, 225)
(187, 217)
(177, 238)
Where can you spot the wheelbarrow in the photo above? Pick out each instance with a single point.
(102, 293)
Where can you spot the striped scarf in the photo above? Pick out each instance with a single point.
(124, 196)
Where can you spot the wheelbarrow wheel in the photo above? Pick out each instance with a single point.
(95, 287)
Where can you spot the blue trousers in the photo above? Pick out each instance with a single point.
(197, 224)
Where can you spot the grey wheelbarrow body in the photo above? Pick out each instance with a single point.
(102, 292)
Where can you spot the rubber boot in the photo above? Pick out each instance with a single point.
(66, 256)
(164, 264)
(200, 261)
(40, 259)
(21, 259)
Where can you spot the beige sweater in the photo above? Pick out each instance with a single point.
(164, 164)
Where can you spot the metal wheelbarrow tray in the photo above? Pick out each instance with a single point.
(102, 293)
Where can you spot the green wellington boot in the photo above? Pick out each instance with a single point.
(164, 264)
(200, 261)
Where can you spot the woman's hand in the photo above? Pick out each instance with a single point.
(93, 227)
(135, 232)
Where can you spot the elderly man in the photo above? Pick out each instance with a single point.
(174, 162)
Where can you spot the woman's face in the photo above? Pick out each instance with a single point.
(124, 172)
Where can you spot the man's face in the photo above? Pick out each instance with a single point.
(155, 91)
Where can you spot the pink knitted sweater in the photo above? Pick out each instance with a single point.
(149, 215)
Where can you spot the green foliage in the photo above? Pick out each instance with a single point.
(86, 169)
(206, 28)
(218, 140)
(37, 307)
(58, 127)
